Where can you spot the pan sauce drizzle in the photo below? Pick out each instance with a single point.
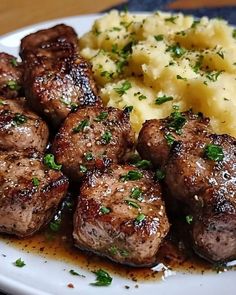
(172, 256)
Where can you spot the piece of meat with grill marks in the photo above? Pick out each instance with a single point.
(56, 78)
(121, 215)
(10, 76)
(20, 128)
(93, 137)
(29, 192)
(154, 136)
(206, 187)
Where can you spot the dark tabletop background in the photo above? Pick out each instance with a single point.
(221, 9)
(16, 14)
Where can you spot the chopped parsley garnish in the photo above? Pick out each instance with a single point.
(103, 278)
(72, 105)
(195, 23)
(159, 37)
(64, 101)
(106, 137)
(114, 48)
(128, 109)
(127, 49)
(125, 24)
(176, 121)
(13, 85)
(123, 55)
(14, 62)
(19, 119)
(234, 34)
(159, 174)
(189, 219)
(114, 251)
(181, 78)
(80, 127)
(214, 152)
(176, 50)
(183, 33)
(175, 107)
(162, 99)
(213, 76)
(74, 273)
(82, 169)
(220, 53)
(140, 95)
(169, 138)
(116, 29)
(35, 181)
(19, 263)
(123, 252)
(102, 116)
(107, 75)
(105, 210)
(96, 32)
(89, 156)
(171, 63)
(132, 204)
(136, 193)
(120, 65)
(49, 161)
(143, 164)
(140, 218)
(2, 103)
(198, 64)
(131, 175)
(171, 19)
(55, 225)
(123, 88)
(69, 205)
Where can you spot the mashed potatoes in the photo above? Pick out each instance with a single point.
(152, 62)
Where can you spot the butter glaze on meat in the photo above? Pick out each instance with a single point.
(10, 76)
(20, 128)
(89, 147)
(25, 207)
(207, 188)
(56, 78)
(117, 234)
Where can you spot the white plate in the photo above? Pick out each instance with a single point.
(38, 277)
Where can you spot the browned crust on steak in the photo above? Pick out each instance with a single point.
(206, 187)
(56, 78)
(117, 235)
(20, 128)
(10, 76)
(71, 148)
(24, 206)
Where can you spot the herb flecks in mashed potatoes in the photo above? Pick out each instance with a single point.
(139, 58)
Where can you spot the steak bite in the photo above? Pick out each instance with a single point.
(92, 137)
(56, 78)
(29, 193)
(200, 173)
(156, 136)
(20, 128)
(121, 215)
(10, 76)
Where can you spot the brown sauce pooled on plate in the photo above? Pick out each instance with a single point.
(56, 242)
